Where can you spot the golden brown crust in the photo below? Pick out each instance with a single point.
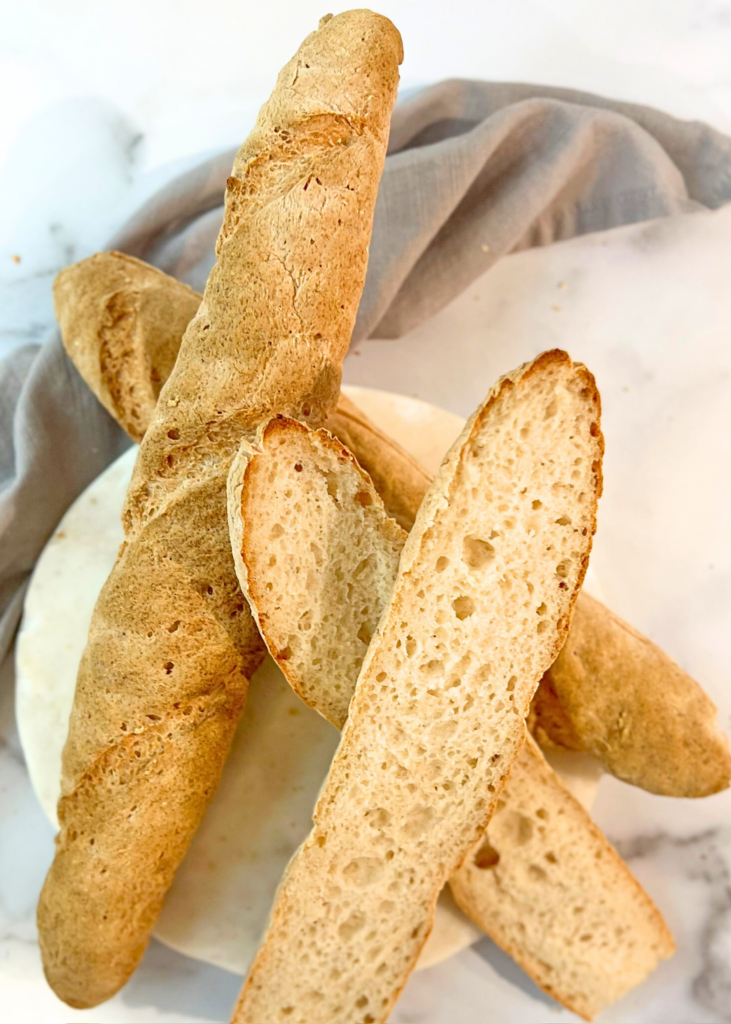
(170, 630)
(121, 323)
(613, 693)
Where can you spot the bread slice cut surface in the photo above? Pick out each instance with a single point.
(481, 606)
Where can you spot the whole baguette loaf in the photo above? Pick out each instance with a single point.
(602, 695)
(486, 585)
(553, 893)
(611, 692)
(172, 644)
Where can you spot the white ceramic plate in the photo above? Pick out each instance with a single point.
(218, 905)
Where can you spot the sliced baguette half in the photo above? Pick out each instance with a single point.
(481, 605)
(543, 881)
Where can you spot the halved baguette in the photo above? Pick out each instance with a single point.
(172, 644)
(553, 892)
(483, 599)
(548, 887)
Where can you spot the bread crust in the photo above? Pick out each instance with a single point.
(172, 644)
(615, 694)
(121, 323)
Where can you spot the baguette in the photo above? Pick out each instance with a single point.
(553, 893)
(121, 323)
(172, 645)
(611, 692)
(481, 605)
(615, 694)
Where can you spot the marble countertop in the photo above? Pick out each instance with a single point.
(107, 103)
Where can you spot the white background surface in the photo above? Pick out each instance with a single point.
(100, 105)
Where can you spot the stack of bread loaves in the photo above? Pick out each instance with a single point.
(430, 619)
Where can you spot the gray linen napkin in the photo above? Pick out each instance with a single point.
(475, 170)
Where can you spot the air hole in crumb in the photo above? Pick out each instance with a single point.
(381, 677)
(285, 654)
(362, 1002)
(276, 531)
(174, 627)
(352, 925)
(536, 505)
(562, 569)
(174, 435)
(433, 667)
(541, 813)
(477, 553)
(486, 857)
(364, 499)
(511, 684)
(551, 409)
(463, 607)
(169, 667)
(442, 563)
(563, 521)
(364, 633)
(298, 467)
(542, 626)
(537, 873)
(551, 858)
